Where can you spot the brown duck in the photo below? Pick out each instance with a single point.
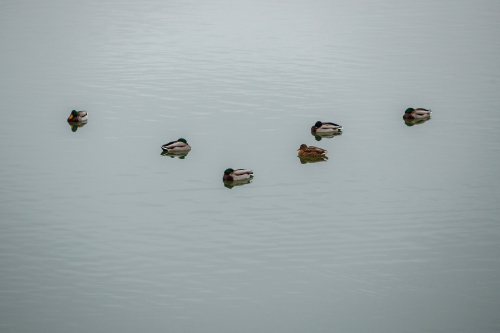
(311, 151)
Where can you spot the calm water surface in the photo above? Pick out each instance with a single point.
(398, 231)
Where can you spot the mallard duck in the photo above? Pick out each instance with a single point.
(78, 116)
(418, 113)
(179, 145)
(321, 127)
(238, 174)
(311, 151)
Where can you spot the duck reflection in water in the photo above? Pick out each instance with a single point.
(411, 122)
(320, 135)
(418, 113)
(179, 154)
(75, 126)
(232, 183)
(311, 159)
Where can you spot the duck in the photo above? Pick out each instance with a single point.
(311, 151)
(417, 113)
(321, 127)
(175, 146)
(78, 116)
(238, 174)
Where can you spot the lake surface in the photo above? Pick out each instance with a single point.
(398, 231)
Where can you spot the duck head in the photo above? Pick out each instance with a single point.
(409, 110)
(228, 171)
(302, 146)
(73, 114)
(182, 140)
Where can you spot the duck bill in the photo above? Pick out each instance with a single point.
(70, 116)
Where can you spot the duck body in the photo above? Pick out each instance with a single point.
(418, 113)
(311, 151)
(176, 146)
(78, 116)
(236, 175)
(321, 127)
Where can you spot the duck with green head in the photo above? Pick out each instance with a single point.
(176, 146)
(238, 174)
(179, 154)
(321, 127)
(76, 126)
(78, 116)
(418, 113)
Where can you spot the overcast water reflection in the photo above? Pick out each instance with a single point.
(319, 136)
(396, 230)
(411, 122)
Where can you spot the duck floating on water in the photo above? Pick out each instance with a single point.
(78, 116)
(311, 151)
(238, 174)
(321, 127)
(180, 145)
(418, 113)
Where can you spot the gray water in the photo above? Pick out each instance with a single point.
(398, 231)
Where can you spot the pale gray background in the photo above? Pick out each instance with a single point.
(397, 232)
